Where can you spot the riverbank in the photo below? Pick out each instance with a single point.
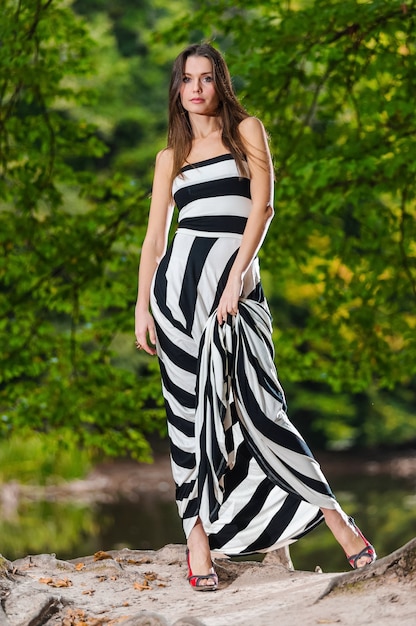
(124, 504)
(118, 479)
(149, 588)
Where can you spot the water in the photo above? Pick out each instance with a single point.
(383, 506)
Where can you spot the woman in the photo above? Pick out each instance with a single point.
(245, 479)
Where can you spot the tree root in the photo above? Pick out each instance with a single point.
(401, 564)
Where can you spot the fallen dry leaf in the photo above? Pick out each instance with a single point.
(63, 582)
(73, 617)
(143, 561)
(77, 617)
(144, 587)
(101, 556)
(79, 566)
(88, 592)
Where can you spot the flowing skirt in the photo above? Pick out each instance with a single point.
(238, 462)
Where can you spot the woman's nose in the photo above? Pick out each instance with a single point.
(197, 86)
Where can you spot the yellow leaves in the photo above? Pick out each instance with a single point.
(344, 273)
(386, 274)
(396, 342)
(62, 582)
(403, 50)
(410, 320)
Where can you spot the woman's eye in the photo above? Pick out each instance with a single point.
(186, 79)
(208, 79)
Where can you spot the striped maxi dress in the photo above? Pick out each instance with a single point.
(238, 463)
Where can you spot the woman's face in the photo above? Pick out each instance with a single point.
(198, 93)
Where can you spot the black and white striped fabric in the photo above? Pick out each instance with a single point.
(237, 461)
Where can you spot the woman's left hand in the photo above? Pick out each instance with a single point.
(228, 304)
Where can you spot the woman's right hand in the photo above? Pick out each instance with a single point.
(145, 332)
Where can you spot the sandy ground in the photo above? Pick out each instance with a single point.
(149, 588)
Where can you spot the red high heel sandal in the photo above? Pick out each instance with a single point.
(195, 579)
(367, 551)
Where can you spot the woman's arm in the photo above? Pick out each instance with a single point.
(261, 186)
(153, 248)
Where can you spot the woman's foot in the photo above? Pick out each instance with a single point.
(199, 560)
(358, 550)
(368, 552)
(201, 582)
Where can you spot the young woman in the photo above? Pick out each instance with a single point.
(245, 479)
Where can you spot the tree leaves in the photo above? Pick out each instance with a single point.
(69, 239)
(333, 83)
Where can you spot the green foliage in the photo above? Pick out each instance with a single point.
(38, 459)
(334, 83)
(83, 95)
(69, 240)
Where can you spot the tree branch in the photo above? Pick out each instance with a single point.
(39, 9)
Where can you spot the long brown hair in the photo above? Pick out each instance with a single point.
(230, 111)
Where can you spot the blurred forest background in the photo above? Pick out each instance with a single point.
(83, 111)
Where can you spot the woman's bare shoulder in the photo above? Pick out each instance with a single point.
(164, 159)
(254, 136)
(251, 126)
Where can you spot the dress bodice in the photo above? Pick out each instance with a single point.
(211, 195)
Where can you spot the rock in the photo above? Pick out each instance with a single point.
(25, 606)
(281, 556)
